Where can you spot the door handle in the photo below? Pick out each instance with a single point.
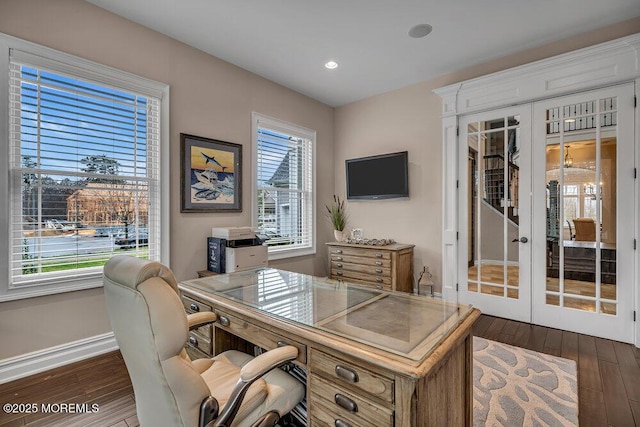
(521, 240)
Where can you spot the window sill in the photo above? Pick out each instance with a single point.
(291, 253)
(31, 291)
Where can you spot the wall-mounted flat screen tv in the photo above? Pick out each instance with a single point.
(378, 177)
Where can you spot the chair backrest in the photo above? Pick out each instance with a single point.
(585, 229)
(151, 329)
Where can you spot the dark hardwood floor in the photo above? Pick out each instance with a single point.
(103, 380)
(608, 380)
(608, 371)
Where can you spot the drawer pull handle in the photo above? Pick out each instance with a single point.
(193, 341)
(341, 423)
(346, 374)
(345, 403)
(378, 262)
(378, 287)
(194, 307)
(337, 251)
(282, 344)
(339, 273)
(224, 321)
(379, 279)
(378, 255)
(379, 270)
(339, 265)
(338, 258)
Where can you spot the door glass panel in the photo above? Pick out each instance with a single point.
(493, 201)
(581, 218)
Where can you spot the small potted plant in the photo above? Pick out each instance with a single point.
(338, 217)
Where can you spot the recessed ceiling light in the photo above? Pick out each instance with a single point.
(331, 65)
(420, 30)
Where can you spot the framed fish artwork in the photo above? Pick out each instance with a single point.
(211, 175)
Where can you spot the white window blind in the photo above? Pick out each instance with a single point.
(284, 172)
(85, 172)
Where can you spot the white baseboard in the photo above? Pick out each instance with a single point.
(53, 357)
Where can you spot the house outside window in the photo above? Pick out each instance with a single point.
(83, 162)
(284, 191)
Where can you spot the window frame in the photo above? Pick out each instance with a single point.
(261, 120)
(56, 61)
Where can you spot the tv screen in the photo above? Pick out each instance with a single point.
(378, 177)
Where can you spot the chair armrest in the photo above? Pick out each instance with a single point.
(201, 318)
(250, 372)
(266, 362)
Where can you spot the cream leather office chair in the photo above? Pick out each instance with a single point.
(151, 328)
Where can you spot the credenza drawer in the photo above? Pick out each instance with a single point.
(258, 335)
(366, 253)
(353, 376)
(382, 282)
(367, 269)
(384, 263)
(330, 403)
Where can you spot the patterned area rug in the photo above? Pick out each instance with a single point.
(517, 387)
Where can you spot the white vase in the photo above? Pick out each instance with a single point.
(339, 235)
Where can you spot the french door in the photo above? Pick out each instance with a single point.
(583, 213)
(546, 212)
(495, 211)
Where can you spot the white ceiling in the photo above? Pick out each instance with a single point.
(288, 41)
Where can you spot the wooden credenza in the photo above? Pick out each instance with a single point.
(388, 267)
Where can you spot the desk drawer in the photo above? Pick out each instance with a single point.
(353, 376)
(330, 403)
(258, 335)
(201, 343)
(192, 305)
(358, 252)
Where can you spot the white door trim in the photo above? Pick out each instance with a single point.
(597, 66)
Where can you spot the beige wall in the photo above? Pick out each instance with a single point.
(409, 119)
(212, 98)
(209, 98)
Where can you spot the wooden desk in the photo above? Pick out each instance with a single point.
(372, 357)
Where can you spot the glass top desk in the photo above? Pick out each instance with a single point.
(392, 335)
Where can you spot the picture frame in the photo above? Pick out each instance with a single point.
(210, 175)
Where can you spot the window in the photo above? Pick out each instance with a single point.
(284, 196)
(84, 168)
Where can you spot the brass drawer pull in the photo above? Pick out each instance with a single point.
(339, 265)
(379, 270)
(379, 279)
(378, 262)
(224, 321)
(378, 287)
(194, 307)
(346, 374)
(341, 423)
(378, 255)
(338, 258)
(345, 403)
(337, 251)
(338, 273)
(282, 344)
(193, 341)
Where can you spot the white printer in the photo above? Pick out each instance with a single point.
(235, 249)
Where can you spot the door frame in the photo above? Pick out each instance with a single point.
(604, 64)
